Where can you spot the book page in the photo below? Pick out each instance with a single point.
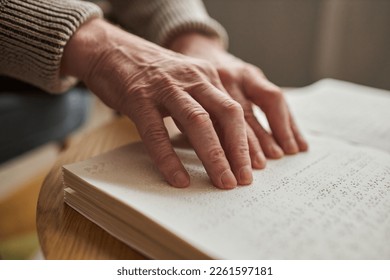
(332, 202)
(344, 110)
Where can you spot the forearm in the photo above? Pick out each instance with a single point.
(33, 36)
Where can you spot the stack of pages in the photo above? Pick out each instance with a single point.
(332, 202)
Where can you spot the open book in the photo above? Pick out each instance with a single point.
(332, 202)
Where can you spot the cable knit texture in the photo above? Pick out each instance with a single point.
(33, 34)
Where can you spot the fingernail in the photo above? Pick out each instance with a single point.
(181, 179)
(228, 180)
(246, 175)
(303, 145)
(290, 147)
(260, 160)
(276, 151)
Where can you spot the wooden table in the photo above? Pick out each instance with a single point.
(64, 233)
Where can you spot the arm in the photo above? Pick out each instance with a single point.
(51, 44)
(33, 35)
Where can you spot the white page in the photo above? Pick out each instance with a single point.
(332, 202)
(344, 110)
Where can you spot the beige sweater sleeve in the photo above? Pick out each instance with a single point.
(161, 20)
(33, 34)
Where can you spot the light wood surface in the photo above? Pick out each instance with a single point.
(64, 233)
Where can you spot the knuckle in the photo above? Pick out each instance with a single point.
(253, 70)
(122, 96)
(172, 95)
(240, 154)
(216, 154)
(165, 158)
(226, 72)
(249, 115)
(135, 96)
(243, 150)
(205, 68)
(227, 75)
(154, 133)
(189, 71)
(233, 108)
(138, 94)
(197, 117)
(276, 95)
(166, 81)
(136, 108)
(162, 153)
(200, 86)
(209, 68)
(165, 85)
(239, 147)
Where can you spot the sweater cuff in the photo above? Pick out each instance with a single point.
(33, 35)
(176, 17)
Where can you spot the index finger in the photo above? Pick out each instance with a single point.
(229, 117)
(156, 140)
(199, 129)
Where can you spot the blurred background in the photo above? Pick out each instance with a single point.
(297, 42)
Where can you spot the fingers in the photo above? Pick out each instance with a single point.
(156, 140)
(278, 119)
(271, 100)
(225, 158)
(256, 152)
(196, 123)
(302, 143)
(230, 119)
(270, 148)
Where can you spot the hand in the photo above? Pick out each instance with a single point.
(147, 82)
(248, 85)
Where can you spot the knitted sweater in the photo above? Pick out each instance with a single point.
(33, 33)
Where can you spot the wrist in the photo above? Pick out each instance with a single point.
(192, 43)
(82, 49)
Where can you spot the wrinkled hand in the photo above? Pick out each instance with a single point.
(248, 85)
(147, 83)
